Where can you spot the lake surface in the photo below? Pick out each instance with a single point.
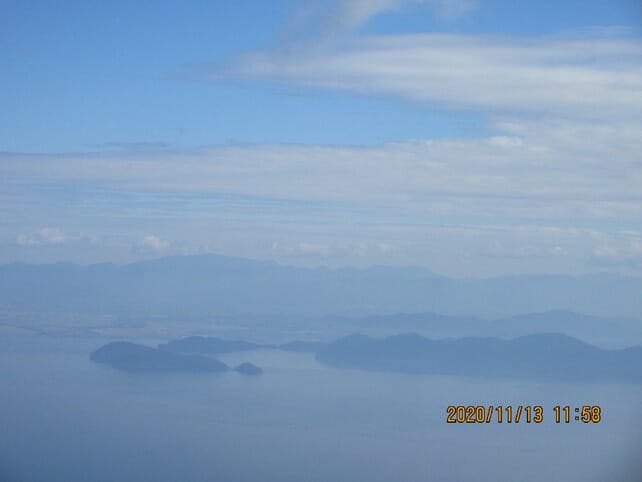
(63, 418)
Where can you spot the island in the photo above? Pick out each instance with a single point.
(549, 357)
(133, 357)
(540, 356)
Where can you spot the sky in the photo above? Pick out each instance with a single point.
(471, 137)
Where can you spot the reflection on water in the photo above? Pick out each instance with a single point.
(66, 419)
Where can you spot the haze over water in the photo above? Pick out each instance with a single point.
(64, 418)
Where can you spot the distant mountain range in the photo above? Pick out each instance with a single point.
(541, 357)
(219, 285)
(600, 330)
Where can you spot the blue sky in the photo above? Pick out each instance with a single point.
(472, 137)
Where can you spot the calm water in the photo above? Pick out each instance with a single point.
(65, 419)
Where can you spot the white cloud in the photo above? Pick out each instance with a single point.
(587, 77)
(46, 236)
(463, 250)
(544, 171)
(326, 23)
(350, 14)
(333, 248)
(153, 243)
(539, 250)
(314, 248)
(620, 253)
